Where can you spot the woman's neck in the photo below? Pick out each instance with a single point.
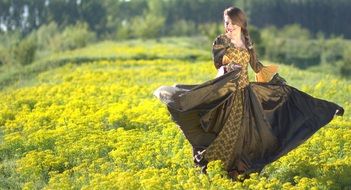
(236, 39)
(236, 36)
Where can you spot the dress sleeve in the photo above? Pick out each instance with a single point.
(264, 73)
(257, 66)
(219, 48)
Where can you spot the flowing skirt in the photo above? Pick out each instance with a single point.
(246, 128)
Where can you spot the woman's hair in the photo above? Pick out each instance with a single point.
(238, 17)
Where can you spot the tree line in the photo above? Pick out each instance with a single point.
(304, 33)
(171, 17)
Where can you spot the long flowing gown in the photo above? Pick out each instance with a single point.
(246, 125)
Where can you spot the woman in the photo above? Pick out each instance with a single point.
(246, 125)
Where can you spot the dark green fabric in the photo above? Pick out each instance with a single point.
(277, 117)
(200, 110)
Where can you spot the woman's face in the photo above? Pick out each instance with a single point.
(229, 27)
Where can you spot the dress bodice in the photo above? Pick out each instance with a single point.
(239, 56)
(224, 52)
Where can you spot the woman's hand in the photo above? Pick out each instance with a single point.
(232, 66)
(226, 68)
(221, 71)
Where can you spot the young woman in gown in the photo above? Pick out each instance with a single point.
(246, 125)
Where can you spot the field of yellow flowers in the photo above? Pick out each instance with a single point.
(96, 125)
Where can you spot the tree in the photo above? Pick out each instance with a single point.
(147, 26)
(94, 13)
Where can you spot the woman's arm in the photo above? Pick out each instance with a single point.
(256, 66)
(219, 48)
(263, 73)
(220, 60)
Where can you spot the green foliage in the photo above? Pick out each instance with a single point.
(94, 14)
(345, 68)
(295, 45)
(123, 31)
(103, 17)
(183, 28)
(210, 30)
(336, 55)
(76, 36)
(5, 57)
(51, 38)
(147, 26)
(287, 46)
(42, 42)
(8, 41)
(256, 38)
(295, 31)
(333, 50)
(215, 169)
(24, 51)
(48, 37)
(166, 48)
(315, 15)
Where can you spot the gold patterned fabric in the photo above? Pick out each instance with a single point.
(240, 57)
(223, 147)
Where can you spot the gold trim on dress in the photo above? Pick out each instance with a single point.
(266, 73)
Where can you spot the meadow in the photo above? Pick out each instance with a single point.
(87, 119)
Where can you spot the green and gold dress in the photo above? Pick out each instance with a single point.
(246, 125)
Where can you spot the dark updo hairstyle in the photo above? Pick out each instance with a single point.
(238, 17)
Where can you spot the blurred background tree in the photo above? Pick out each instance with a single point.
(305, 33)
